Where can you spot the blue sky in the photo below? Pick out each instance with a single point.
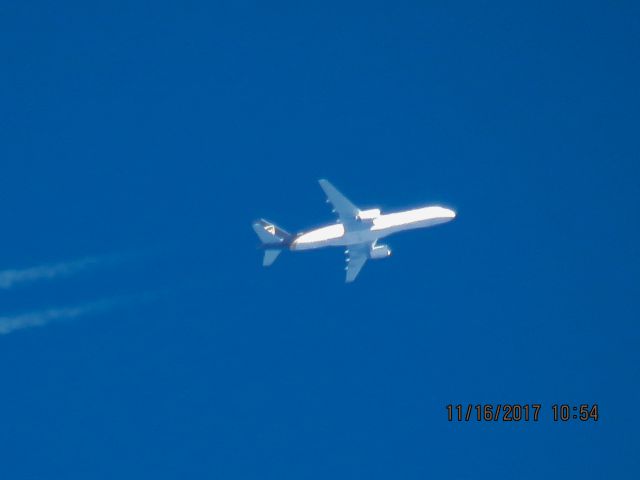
(148, 137)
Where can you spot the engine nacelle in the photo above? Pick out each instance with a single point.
(379, 251)
(369, 214)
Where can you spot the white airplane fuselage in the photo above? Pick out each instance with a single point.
(372, 229)
(358, 230)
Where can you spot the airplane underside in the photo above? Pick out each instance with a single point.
(357, 230)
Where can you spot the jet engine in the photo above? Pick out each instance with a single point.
(379, 251)
(369, 214)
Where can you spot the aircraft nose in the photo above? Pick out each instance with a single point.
(450, 213)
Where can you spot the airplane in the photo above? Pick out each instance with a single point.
(357, 230)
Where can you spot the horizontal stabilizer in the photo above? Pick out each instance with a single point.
(270, 257)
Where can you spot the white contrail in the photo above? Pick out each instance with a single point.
(40, 318)
(11, 323)
(9, 278)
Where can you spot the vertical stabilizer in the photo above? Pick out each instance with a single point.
(273, 238)
(269, 233)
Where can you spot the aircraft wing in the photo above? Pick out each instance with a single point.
(347, 211)
(357, 255)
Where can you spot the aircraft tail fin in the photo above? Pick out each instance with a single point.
(273, 239)
(270, 234)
